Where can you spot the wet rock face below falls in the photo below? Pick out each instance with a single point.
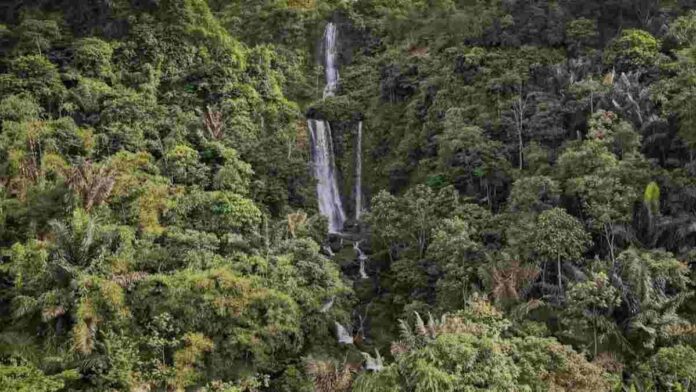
(351, 253)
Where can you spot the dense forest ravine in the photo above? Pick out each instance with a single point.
(347, 195)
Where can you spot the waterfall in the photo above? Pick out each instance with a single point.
(344, 336)
(362, 258)
(358, 172)
(330, 62)
(328, 195)
(325, 171)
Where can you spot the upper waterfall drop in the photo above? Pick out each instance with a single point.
(330, 59)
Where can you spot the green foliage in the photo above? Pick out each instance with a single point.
(336, 108)
(676, 93)
(466, 351)
(265, 323)
(417, 207)
(93, 58)
(218, 212)
(457, 253)
(535, 193)
(558, 236)
(36, 75)
(607, 185)
(184, 167)
(672, 368)
(175, 202)
(27, 378)
(607, 127)
(633, 48)
(19, 108)
(589, 306)
(36, 36)
(659, 285)
(483, 157)
(683, 29)
(651, 197)
(582, 29)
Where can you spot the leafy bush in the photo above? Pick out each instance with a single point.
(633, 48)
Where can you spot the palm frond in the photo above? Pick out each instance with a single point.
(20, 345)
(23, 305)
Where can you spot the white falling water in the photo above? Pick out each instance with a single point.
(358, 172)
(344, 337)
(328, 304)
(362, 258)
(328, 195)
(328, 251)
(325, 171)
(330, 62)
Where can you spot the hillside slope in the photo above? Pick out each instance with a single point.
(328, 195)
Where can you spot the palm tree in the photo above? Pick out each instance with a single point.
(55, 291)
(330, 376)
(92, 183)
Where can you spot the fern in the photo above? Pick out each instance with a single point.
(407, 334)
(420, 326)
(432, 326)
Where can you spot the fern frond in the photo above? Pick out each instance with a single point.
(432, 326)
(420, 325)
(406, 333)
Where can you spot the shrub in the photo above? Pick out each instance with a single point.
(633, 48)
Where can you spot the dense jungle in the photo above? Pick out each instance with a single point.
(347, 195)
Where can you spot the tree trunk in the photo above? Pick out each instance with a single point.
(610, 243)
(543, 276)
(594, 329)
(266, 239)
(592, 102)
(519, 132)
(560, 276)
(422, 245)
(518, 110)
